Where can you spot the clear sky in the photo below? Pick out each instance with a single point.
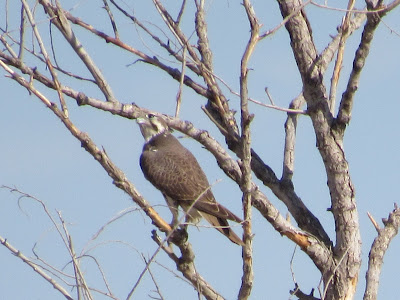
(39, 157)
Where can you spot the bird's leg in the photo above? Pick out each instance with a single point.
(179, 233)
(173, 207)
(175, 216)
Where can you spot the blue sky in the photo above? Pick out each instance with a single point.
(41, 158)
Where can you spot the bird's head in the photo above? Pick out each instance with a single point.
(151, 126)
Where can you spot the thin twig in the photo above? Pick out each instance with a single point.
(291, 265)
(323, 294)
(180, 90)
(21, 34)
(103, 276)
(284, 21)
(47, 58)
(344, 34)
(376, 225)
(81, 284)
(287, 110)
(118, 216)
(384, 9)
(153, 279)
(269, 96)
(59, 18)
(111, 16)
(35, 268)
(180, 14)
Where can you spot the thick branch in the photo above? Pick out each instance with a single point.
(341, 189)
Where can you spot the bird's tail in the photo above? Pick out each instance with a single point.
(222, 226)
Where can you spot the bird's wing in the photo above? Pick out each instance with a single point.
(171, 174)
(178, 175)
(184, 181)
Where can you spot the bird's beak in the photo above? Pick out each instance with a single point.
(145, 127)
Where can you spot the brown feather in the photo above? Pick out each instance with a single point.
(174, 170)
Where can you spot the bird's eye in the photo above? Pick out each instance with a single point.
(151, 116)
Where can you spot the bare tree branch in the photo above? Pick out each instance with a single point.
(112, 20)
(47, 59)
(290, 139)
(377, 252)
(191, 65)
(341, 188)
(344, 34)
(35, 268)
(59, 19)
(117, 175)
(246, 182)
(346, 104)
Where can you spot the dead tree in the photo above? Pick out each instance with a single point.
(31, 61)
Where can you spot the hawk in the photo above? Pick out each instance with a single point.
(173, 170)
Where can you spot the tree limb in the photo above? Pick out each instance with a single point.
(35, 268)
(341, 189)
(245, 151)
(377, 252)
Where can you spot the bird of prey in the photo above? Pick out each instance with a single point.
(173, 170)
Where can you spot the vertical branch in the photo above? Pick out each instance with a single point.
(346, 103)
(290, 139)
(378, 250)
(246, 182)
(344, 34)
(217, 103)
(111, 16)
(180, 14)
(81, 285)
(201, 30)
(179, 95)
(47, 59)
(21, 33)
(344, 206)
